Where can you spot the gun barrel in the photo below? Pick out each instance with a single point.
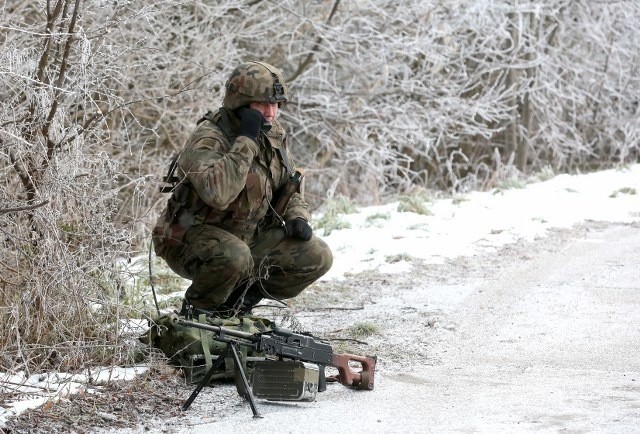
(221, 331)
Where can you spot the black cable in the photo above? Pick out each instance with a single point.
(153, 288)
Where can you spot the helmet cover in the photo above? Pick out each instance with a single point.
(255, 82)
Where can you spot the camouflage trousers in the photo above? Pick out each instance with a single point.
(217, 262)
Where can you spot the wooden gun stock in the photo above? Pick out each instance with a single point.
(363, 379)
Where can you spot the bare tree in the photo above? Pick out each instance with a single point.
(386, 96)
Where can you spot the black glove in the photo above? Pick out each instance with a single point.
(299, 228)
(250, 122)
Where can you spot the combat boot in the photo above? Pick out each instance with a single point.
(243, 304)
(250, 300)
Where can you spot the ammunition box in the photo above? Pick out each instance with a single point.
(279, 380)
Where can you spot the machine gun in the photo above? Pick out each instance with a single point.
(293, 369)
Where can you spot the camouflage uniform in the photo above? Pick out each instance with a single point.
(217, 228)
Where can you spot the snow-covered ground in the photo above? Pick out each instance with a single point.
(482, 221)
(383, 239)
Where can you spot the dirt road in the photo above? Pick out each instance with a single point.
(551, 342)
(539, 337)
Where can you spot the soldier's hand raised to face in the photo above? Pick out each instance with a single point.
(250, 122)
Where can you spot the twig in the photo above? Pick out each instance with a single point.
(337, 308)
(315, 48)
(23, 208)
(349, 340)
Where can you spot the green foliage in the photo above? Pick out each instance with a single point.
(341, 205)
(457, 200)
(391, 259)
(419, 227)
(623, 190)
(363, 330)
(416, 202)
(375, 219)
(332, 218)
(509, 184)
(544, 174)
(413, 204)
(331, 223)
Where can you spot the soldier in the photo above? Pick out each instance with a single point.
(219, 228)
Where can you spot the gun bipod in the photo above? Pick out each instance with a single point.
(242, 384)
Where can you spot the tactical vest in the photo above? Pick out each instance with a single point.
(186, 209)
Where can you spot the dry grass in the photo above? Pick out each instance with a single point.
(117, 405)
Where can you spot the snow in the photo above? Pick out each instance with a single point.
(481, 221)
(40, 388)
(381, 238)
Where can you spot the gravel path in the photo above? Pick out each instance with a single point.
(542, 336)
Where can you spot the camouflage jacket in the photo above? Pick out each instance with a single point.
(219, 184)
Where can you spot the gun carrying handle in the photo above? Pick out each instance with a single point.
(360, 380)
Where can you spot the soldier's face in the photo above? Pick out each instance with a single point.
(268, 110)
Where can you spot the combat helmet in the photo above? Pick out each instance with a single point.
(255, 82)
